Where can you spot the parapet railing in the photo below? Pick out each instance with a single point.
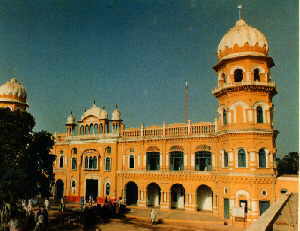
(188, 129)
(166, 131)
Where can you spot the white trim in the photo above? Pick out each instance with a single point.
(245, 53)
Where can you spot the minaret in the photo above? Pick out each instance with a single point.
(244, 92)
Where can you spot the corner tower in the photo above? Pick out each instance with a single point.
(244, 92)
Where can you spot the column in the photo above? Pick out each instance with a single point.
(164, 200)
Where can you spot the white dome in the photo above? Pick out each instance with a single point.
(116, 114)
(95, 111)
(71, 119)
(241, 34)
(13, 88)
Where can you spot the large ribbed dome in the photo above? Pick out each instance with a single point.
(243, 36)
(13, 90)
(98, 112)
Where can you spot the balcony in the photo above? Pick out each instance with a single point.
(271, 86)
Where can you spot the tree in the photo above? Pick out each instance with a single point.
(25, 160)
(289, 164)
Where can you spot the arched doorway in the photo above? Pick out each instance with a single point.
(131, 193)
(153, 195)
(177, 196)
(59, 189)
(204, 198)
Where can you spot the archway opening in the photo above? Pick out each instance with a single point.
(91, 189)
(204, 198)
(177, 196)
(131, 193)
(153, 195)
(238, 75)
(59, 189)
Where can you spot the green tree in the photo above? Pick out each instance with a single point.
(25, 161)
(289, 164)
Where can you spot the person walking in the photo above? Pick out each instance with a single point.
(153, 216)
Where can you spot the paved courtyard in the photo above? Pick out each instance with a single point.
(137, 219)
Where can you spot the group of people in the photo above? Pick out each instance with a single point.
(30, 218)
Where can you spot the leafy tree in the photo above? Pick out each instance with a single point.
(25, 163)
(289, 164)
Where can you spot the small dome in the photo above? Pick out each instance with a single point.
(13, 91)
(116, 114)
(71, 119)
(242, 38)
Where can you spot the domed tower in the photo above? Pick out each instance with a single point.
(244, 93)
(117, 124)
(71, 124)
(13, 95)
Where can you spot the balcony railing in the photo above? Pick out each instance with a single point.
(244, 83)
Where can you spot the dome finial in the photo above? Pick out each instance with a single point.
(240, 11)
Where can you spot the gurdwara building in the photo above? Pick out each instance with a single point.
(220, 166)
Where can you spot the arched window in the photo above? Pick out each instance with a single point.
(176, 161)
(262, 163)
(101, 129)
(131, 161)
(256, 75)
(73, 186)
(224, 117)
(225, 159)
(238, 75)
(259, 114)
(241, 158)
(87, 130)
(107, 164)
(107, 189)
(61, 162)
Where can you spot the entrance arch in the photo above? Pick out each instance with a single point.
(59, 189)
(131, 190)
(153, 195)
(204, 198)
(177, 196)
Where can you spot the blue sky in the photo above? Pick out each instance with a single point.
(137, 53)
